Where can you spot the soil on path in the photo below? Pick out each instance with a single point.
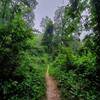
(52, 90)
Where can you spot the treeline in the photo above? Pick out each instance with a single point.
(72, 42)
(20, 75)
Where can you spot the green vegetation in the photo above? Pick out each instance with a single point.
(75, 75)
(73, 61)
(21, 75)
(22, 62)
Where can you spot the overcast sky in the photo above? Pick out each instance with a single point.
(46, 8)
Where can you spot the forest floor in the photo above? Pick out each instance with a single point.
(52, 92)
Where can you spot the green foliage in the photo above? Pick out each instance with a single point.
(48, 34)
(96, 24)
(25, 55)
(86, 63)
(12, 41)
(64, 59)
(10, 8)
(76, 81)
(28, 80)
(75, 65)
(21, 76)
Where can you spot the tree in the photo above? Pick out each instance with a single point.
(47, 25)
(96, 25)
(14, 32)
(96, 6)
(9, 8)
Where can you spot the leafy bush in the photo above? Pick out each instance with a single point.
(85, 64)
(31, 86)
(21, 76)
(65, 59)
(76, 79)
(12, 41)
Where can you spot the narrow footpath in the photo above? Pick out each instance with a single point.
(52, 90)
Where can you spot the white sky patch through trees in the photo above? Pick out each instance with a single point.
(47, 8)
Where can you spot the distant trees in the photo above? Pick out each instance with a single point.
(9, 9)
(48, 27)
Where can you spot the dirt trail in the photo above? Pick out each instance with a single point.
(52, 90)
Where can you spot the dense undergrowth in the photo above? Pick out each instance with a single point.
(76, 75)
(24, 55)
(22, 62)
(27, 82)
